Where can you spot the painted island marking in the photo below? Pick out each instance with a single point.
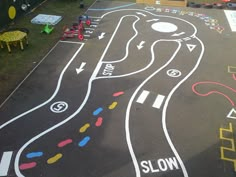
(164, 27)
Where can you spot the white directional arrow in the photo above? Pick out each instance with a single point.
(140, 45)
(139, 13)
(80, 69)
(232, 114)
(178, 34)
(191, 47)
(102, 35)
(152, 20)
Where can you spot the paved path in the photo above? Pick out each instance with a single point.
(150, 92)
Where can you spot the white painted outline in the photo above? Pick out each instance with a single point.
(53, 95)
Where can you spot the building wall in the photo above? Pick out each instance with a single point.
(12, 9)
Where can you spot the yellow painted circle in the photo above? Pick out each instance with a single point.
(12, 12)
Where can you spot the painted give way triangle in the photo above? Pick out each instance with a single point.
(232, 114)
(191, 47)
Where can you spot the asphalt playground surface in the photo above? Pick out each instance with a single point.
(150, 92)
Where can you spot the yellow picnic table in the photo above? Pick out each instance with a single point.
(12, 37)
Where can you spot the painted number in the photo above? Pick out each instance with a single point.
(173, 73)
(108, 70)
(59, 107)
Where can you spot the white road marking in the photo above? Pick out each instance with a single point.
(232, 114)
(140, 45)
(173, 73)
(81, 68)
(178, 34)
(158, 102)
(5, 163)
(191, 47)
(139, 13)
(164, 27)
(152, 20)
(59, 107)
(187, 39)
(101, 36)
(142, 97)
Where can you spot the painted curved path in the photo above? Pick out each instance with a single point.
(127, 102)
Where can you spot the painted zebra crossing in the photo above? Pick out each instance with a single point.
(159, 99)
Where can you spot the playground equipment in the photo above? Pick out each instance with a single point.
(47, 29)
(77, 29)
(85, 18)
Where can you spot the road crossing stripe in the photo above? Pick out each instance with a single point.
(158, 102)
(143, 96)
(5, 163)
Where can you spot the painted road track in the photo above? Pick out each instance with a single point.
(114, 106)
